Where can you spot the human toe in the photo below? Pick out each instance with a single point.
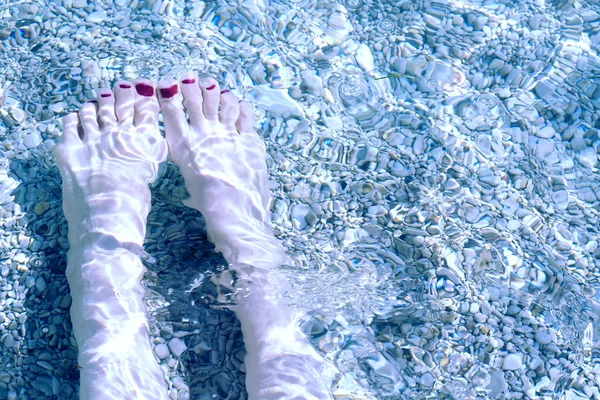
(124, 102)
(211, 97)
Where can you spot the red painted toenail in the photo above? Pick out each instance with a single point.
(124, 86)
(211, 87)
(91, 101)
(188, 81)
(144, 90)
(105, 95)
(225, 91)
(168, 92)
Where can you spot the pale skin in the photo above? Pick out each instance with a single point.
(107, 155)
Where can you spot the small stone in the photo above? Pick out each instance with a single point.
(513, 362)
(546, 132)
(544, 89)
(9, 341)
(457, 20)
(587, 157)
(41, 207)
(534, 22)
(40, 284)
(311, 83)
(161, 350)
(364, 57)
(29, 281)
(427, 380)
(177, 346)
(97, 17)
(65, 302)
(32, 140)
(543, 338)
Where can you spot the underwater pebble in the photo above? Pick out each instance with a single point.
(32, 139)
(161, 350)
(513, 362)
(177, 346)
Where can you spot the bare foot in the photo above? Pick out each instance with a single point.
(222, 160)
(107, 154)
(112, 147)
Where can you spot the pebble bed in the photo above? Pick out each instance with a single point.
(434, 174)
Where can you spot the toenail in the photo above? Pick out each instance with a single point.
(91, 101)
(188, 81)
(225, 91)
(105, 95)
(124, 86)
(211, 87)
(168, 92)
(144, 90)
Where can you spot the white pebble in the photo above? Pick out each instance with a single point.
(513, 362)
(97, 17)
(364, 57)
(543, 338)
(177, 346)
(587, 157)
(32, 140)
(546, 132)
(162, 351)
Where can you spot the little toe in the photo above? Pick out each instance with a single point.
(88, 116)
(245, 122)
(124, 101)
(69, 142)
(230, 109)
(192, 99)
(211, 96)
(146, 104)
(70, 135)
(106, 109)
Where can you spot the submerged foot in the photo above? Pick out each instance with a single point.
(109, 151)
(107, 154)
(212, 139)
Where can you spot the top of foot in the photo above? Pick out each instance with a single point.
(107, 154)
(212, 139)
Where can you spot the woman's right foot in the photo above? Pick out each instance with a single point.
(212, 139)
(222, 160)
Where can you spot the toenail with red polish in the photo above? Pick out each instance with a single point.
(225, 91)
(92, 101)
(188, 81)
(168, 92)
(211, 87)
(144, 90)
(124, 86)
(105, 95)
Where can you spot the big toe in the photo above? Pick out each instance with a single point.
(146, 104)
(174, 119)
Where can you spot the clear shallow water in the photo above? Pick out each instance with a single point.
(435, 181)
